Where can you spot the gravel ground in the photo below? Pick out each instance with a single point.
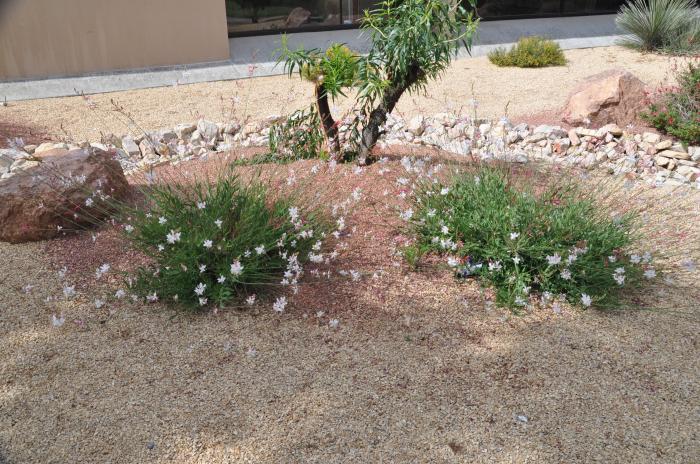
(527, 91)
(421, 369)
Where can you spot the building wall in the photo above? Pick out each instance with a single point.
(42, 38)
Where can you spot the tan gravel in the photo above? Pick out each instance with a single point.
(421, 369)
(525, 90)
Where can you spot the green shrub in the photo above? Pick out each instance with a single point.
(529, 52)
(676, 110)
(661, 25)
(217, 242)
(557, 242)
(298, 137)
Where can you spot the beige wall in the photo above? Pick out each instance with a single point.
(40, 38)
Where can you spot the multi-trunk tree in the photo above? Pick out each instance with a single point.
(412, 42)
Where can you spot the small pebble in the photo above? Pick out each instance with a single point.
(150, 445)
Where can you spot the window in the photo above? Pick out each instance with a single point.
(269, 16)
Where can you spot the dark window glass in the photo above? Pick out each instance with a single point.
(493, 9)
(250, 16)
(270, 15)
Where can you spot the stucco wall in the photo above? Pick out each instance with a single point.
(40, 38)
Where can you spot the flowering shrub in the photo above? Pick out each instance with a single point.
(522, 241)
(218, 242)
(529, 52)
(676, 110)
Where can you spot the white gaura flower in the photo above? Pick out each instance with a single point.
(201, 204)
(516, 260)
(445, 230)
(207, 244)
(102, 270)
(161, 247)
(565, 274)
(119, 294)
(236, 268)
(294, 213)
(406, 215)
(689, 265)
(27, 288)
(202, 268)
(260, 249)
(173, 237)
(355, 276)
(218, 223)
(280, 304)
(129, 228)
(620, 270)
(586, 300)
(99, 303)
(514, 235)
(333, 323)
(612, 258)
(250, 301)
(635, 259)
(431, 213)
(495, 266)
(554, 259)
(620, 279)
(452, 261)
(203, 301)
(89, 202)
(57, 321)
(650, 273)
(69, 292)
(221, 279)
(162, 220)
(444, 191)
(152, 297)
(200, 288)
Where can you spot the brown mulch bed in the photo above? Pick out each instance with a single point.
(422, 368)
(30, 135)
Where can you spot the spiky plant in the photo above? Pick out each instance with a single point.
(331, 72)
(413, 42)
(660, 25)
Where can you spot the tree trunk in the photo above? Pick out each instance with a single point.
(330, 128)
(370, 133)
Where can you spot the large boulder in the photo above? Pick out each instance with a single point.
(613, 96)
(60, 190)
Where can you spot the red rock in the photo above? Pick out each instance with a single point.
(35, 202)
(614, 96)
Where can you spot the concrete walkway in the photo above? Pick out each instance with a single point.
(255, 56)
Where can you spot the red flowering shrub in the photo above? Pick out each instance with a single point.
(675, 110)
